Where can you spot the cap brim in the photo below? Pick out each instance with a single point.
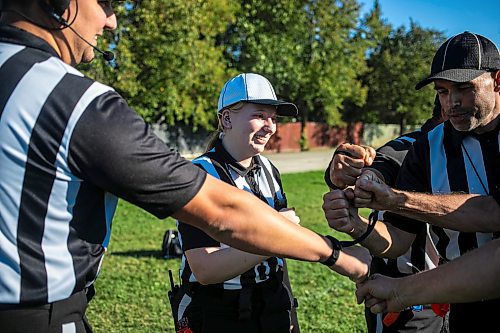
(282, 108)
(454, 75)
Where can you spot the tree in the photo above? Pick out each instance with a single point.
(403, 59)
(308, 49)
(169, 67)
(373, 30)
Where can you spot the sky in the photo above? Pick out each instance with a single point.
(449, 16)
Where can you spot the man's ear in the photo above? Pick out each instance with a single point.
(225, 118)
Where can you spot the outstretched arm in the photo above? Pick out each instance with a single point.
(452, 211)
(472, 277)
(215, 264)
(238, 219)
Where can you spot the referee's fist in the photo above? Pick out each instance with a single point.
(348, 162)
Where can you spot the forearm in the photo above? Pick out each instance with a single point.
(385, 240)
(215, 265)
(472, 277)
(461, 212)
(240, 220)
(353, 262)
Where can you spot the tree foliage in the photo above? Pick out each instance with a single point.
(169, 67)
(174, 56)
(402, 59)
(307, 48)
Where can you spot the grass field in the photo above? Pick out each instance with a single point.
(132, 288)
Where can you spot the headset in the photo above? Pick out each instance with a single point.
(56, 8)
(59, 6)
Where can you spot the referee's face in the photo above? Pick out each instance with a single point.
(93, 17)
(470, 106)
(251, 128)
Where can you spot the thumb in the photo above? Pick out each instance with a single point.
(367, 184)
(362, 291)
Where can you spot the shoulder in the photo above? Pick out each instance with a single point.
(403, 142)
(209, 163)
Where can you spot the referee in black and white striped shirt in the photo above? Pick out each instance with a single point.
(420, 256)
(458, 162)
(69, 146)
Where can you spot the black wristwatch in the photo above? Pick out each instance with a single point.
(337, 246)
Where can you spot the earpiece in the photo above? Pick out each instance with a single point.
(58, 6)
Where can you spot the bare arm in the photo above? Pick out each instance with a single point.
(238, 219)
(452, 211)
(217, 264)
(214, 264)
(471, 277)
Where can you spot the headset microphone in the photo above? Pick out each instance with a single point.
(107, 55)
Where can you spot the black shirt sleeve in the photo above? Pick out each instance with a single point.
(114, 149)
(390, 157)
(412, 177)
(326, 176)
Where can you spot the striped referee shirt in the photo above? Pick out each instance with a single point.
(69, 146)
(263, 180)
(450, 161)
(388, 160)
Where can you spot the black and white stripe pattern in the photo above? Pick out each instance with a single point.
(422, 255)
(39, 191)
(212, 162)
(451, 170)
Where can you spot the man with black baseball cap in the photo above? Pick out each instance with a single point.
(462, 58)
(458, 162)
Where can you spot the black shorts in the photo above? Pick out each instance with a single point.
(205, 309)
(63, 316)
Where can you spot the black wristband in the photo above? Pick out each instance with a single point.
(337, 246)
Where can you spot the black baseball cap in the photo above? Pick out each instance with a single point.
(462, 58)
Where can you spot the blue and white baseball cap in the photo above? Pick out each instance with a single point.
(253, 88)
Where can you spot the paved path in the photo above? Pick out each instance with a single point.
(301, 162)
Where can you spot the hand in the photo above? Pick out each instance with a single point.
(380, 294)
(371, 192)
(345, 169)
(341, 215)
(363, 198)
(354, 262)
(289, 213)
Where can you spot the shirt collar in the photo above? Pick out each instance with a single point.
(463, 134)
(235, 165)
(15, 35)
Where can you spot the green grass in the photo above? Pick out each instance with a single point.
(132, 287)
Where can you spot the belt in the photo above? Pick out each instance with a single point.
(77, 299)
